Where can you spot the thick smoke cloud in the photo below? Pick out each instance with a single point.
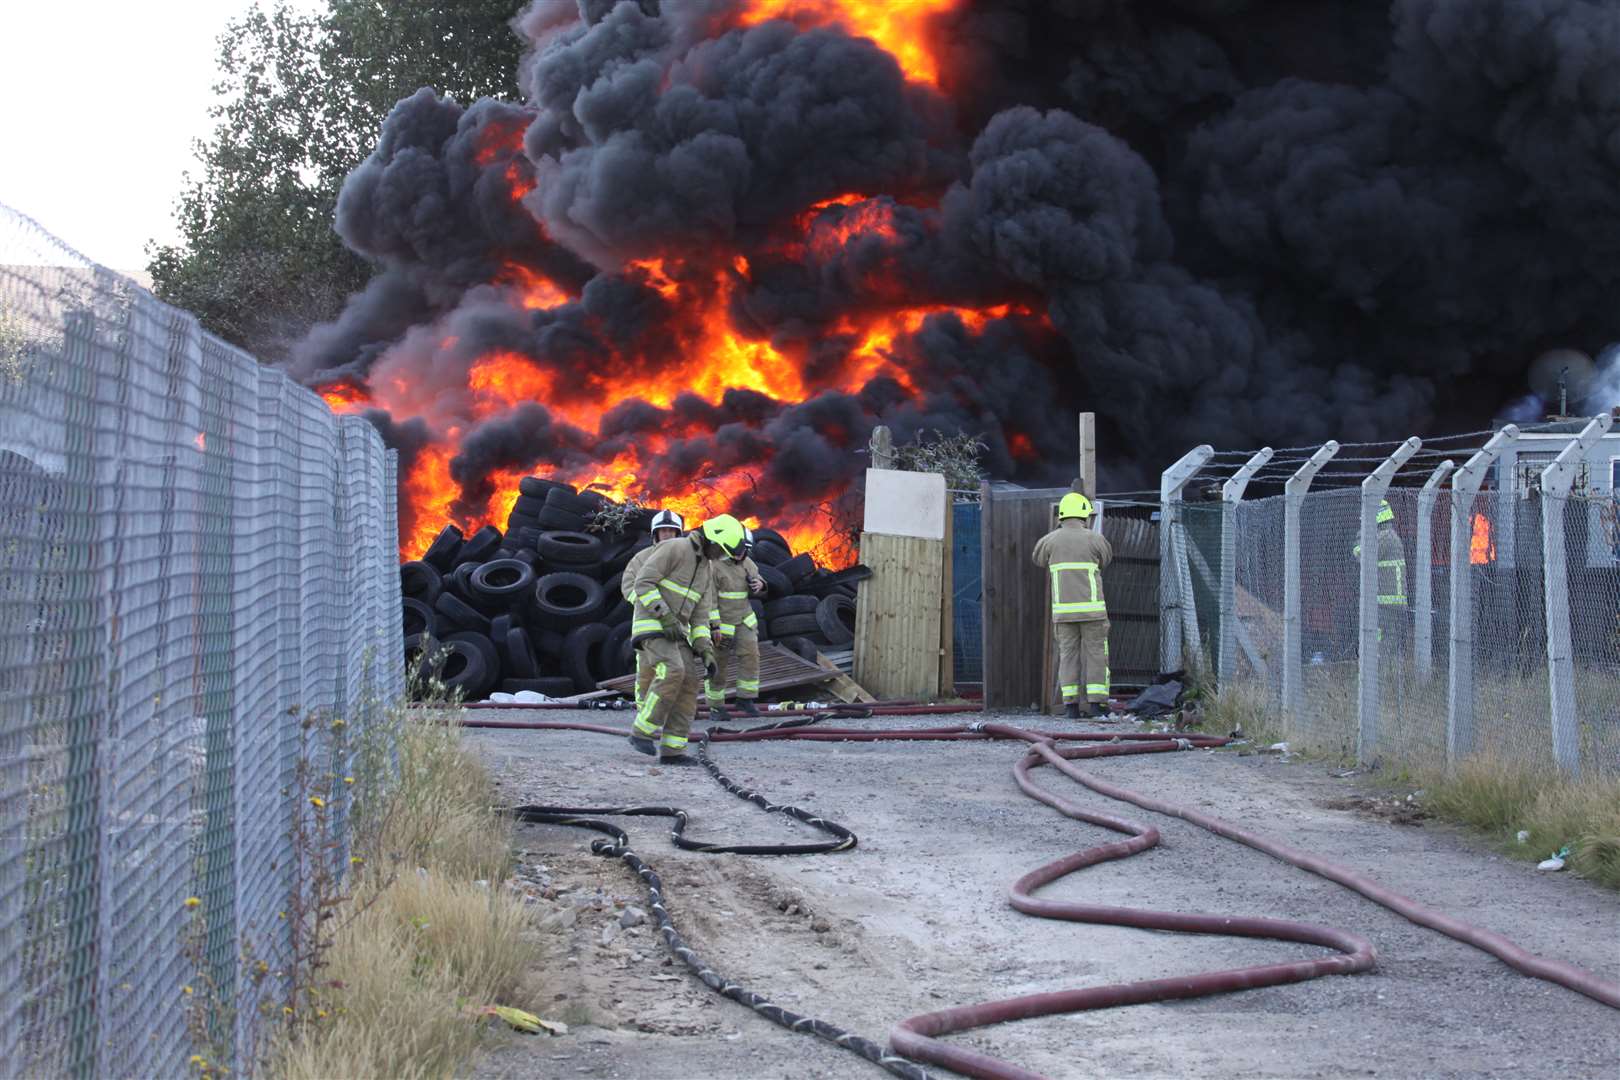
(1233, 221)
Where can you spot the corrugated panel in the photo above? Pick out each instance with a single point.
(1131, 584)
(1015, 610)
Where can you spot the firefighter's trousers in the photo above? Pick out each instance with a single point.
(1082, 660)
(737, 659)
(669, 702)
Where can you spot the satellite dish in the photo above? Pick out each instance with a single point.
(1561, 375)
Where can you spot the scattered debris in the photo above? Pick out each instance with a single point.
(632, 916)
(1554, 862)
(1393, 809)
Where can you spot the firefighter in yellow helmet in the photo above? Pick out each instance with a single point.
(735, 628)
(1391, 578)
(1076, 555)
(673, 594)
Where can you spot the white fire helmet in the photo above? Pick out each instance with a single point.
(667, 519)
(747, 548)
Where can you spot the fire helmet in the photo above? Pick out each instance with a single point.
(667, 519)
(1074, 505)
(1386, 513)
(748, 542)
(725, 532)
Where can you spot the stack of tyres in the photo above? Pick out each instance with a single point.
(539, 605)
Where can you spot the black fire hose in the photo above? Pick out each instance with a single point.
(619, 848)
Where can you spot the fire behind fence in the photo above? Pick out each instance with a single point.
(1473, 606)
(190, 546)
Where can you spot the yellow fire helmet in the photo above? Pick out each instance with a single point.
(1074, 505)
(1386, 513)
(726, 531)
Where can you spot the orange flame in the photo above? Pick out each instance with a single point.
(344, 397)
(536, 291)
(1482, 544)
(898, 27)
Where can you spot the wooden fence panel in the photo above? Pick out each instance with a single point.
(897, 633)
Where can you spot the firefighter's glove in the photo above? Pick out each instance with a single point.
(756, 586)
(710, 668)
(658, 608)
(672, 629)
(714, 630)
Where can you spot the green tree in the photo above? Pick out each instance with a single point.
(301, 99)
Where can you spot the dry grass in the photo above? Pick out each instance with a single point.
(1502, 798)
(430, 936)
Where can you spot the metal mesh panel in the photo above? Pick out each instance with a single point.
(967, 593)
(1329, 598)
(1257, 600)
(173, 581)
(1592, 546)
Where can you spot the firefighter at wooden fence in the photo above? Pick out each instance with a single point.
(735, 629)
(674, 591)
(1076, 555)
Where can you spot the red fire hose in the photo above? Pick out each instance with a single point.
(919, 1037)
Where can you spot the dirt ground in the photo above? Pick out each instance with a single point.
(916, 919)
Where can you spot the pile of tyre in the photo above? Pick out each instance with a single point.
(539, 606)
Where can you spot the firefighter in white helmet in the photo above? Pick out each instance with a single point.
(1076, 555)
(735, 628)
(673, 593)
(666, 525)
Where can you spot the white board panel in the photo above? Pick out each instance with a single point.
(905, 503)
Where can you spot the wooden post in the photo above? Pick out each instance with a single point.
(882, 448)
(1088, 455)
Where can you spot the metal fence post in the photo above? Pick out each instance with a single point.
(1293, 669)
(1231, 495)
(1173, 592)
(1373, 490)
(1465, 485)
(1557, 480)
(1423, 611)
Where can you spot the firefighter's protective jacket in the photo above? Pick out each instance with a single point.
(679, 572)
(732, 608)
(1391, 567)
(627, 581)
(1075, 556)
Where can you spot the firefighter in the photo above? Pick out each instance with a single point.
(666, 525)
(673, 594)
(1391, 578)
(735, 628)
(1076, 555)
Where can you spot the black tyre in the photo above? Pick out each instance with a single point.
(566, 520)
(442, 552)
(569, 548)
(517, 654)
(556, 686)
(480, 546)
(529, 506)
(795, 625)
(420, 617)
(617, 656)
(801, 646)
(776, 583)
(538, 487)
(471, 665)
(583, 505)
(582, 655)
(565, 600)
(613, 584)
(527, 556)
(836, 617)
(502, 581)
(791, 605)
(420, 580)
(460, 615)
(456, 581)
(770, 553)
(767, 534)
(619, 613)
(518, 522)
(798, 569)
(522, 535)
(417, 646)
(548, 644)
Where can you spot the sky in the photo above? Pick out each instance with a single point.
(103, 99)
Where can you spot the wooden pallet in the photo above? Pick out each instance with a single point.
(779, 669)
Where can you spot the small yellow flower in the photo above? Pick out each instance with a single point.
(338, 723)
(355, 860)
(185, 989)
(320, 1014)
(199, 1061)
(287, 1009)
(348, 779)
(192, 901)
(316, 801)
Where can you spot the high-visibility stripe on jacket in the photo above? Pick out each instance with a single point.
(1075, 556)
(1391, 567)
(732, 608)
(678, 572)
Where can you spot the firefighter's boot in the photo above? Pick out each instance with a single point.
(746, 707)
(1071, 711)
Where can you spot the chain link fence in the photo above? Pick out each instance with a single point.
(191, 547)
(1418, 622)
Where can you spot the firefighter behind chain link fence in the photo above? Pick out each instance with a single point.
(666, 525)
(674, 593)
(1391, 579)
(735, 629)
(1076, 555)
